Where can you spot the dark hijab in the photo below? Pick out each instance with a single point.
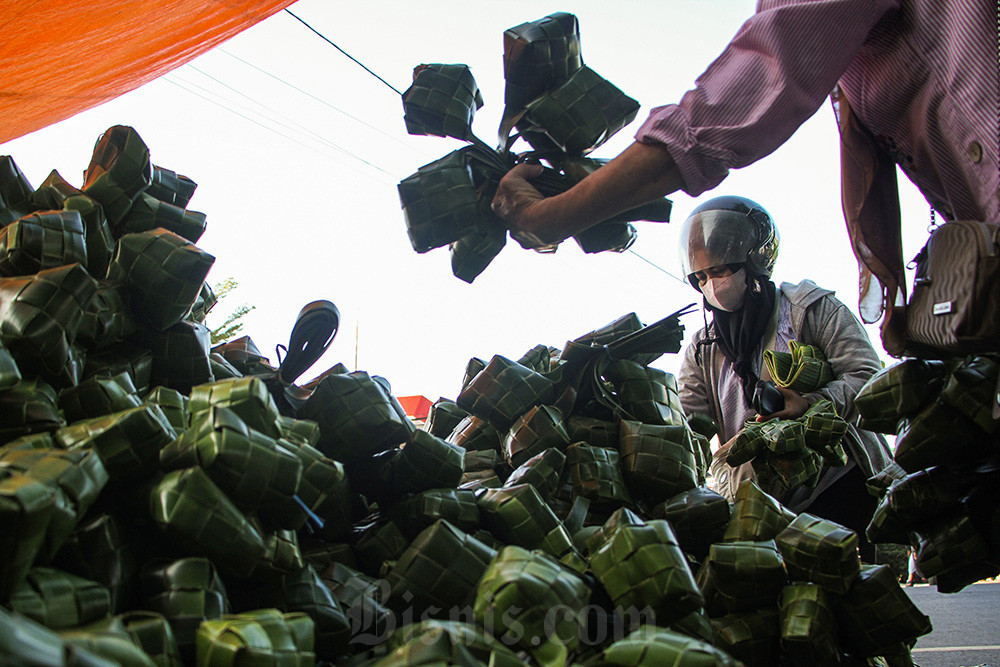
(739, 334)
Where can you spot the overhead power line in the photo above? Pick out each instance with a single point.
(331, 43)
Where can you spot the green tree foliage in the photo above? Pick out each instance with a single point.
(233, 324)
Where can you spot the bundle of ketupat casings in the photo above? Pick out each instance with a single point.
(164, 503)
(945, 500)
(560, 107)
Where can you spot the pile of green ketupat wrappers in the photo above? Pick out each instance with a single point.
(163, 502)
(558, 106)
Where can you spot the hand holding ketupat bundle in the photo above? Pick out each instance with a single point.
(553, 102)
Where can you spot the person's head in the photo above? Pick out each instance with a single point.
(727, 245)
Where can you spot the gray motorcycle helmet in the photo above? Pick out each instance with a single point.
(729, 230)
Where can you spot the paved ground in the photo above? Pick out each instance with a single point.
(966, 626)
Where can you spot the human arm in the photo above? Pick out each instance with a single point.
(640, 174)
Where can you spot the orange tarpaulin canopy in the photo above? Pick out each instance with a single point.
(61, 57)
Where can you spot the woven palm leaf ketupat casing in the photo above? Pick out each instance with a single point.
(439, 569)
(582, 113)
(98, 396)
(42, 240)
(148, 213)
(643, 566)
(808, 629)
(15, 191)
(119, 171)
(264, 636)
(421, 510)
(60, 600)
(746, 575)
(803, 368)
(163, 274)
(450, 642)
(170, 187)
(820, 551)
(503, 391)
(543, 471)
(40, 316)
(521, 585)
(698, 517)
(442, 101)
(657, 461)
(652, 645)
(247, 397)
(898, 391)
(537, 56)
(191, 508)
(596, 476)
(537, 430)
(186, 592)
(875, 614)
(428, 462)
(751, 637)
(152, 633)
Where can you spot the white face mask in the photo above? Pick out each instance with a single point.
(726, 293)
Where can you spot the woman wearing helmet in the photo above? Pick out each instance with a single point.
(728, 249)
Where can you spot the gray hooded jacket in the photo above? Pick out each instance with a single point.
(817, 318)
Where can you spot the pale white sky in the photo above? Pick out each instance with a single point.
(297, 152)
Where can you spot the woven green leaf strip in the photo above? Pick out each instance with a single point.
(898, 391)
(607, 236)
(78, 477)
(128, 442)
(148, 213)
(642, 566)
(25, 642)
(525, 586)
(543, 471)
(820, 551)
(620, 517)
(752, 637)
(650, 645)
(40, 316)
(446, 642)
(377, 544)
(265, 636)
(922, 498)
(442, 101)
(248, 397)
(747, 575)
(162, 274)
(58, 599)
(440, 569)
(357, 417)
(657, 461)
(28, 407)
(428, 462)
(97, 233)
(419, 511)
(596, 476)
(699, 518)
(153, 634)
(299, 431)
(756, 516)
(249, 467)
(304, 591)
(190, 508)
(119, 171)
(42, 240)
(582, 113)
(596, 432)
(244, 355)
(105, 319)
(803, 368)
(503, 391)
(876, 614)
(98, 396)
(170, 187)
(539, 429)
(808, 630)
(186, 592)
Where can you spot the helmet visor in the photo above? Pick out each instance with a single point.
(711, 238)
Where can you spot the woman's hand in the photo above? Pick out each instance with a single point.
(795, 406)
